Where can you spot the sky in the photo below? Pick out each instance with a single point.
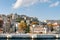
(42, 9)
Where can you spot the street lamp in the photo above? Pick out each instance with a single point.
(33, 27)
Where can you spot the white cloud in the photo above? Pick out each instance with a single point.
(54, 4)
(43, 1)
(17, 4)
(29, 2)
(20, 3)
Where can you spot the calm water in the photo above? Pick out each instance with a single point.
(29, 39)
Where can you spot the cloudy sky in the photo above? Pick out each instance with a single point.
(42, 9)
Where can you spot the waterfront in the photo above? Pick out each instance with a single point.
(29, 37)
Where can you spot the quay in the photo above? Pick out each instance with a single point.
(29, 35)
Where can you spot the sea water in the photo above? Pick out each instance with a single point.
(30, 39)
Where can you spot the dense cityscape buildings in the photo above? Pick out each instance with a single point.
(14, 23)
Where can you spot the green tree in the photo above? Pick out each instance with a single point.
(18, 19)
(27, 29)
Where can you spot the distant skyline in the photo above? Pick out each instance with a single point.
(42, 9)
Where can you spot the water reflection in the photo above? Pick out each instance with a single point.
(29, 39)
(44, 39)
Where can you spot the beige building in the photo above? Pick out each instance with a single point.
(55, 25)
(38, 29)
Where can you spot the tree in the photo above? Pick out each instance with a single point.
(22, 25)
(27, 29)
(50, 26)
(18, 19)
(36, 23)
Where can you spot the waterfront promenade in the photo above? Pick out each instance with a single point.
(29, 35)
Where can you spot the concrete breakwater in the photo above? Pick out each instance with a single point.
(29, 35)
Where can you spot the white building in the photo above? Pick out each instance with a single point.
(38, 29)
